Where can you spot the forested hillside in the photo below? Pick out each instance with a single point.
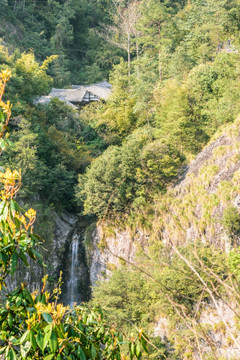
(174, 67)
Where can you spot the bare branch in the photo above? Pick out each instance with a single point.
(209, 292)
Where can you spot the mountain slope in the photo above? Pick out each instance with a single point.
(198, 207)
(201, 210)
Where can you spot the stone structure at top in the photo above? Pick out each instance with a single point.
(79, 95)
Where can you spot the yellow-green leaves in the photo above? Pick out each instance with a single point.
(16, 235)
(39, 328)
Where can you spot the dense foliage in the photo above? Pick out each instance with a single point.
(66, 28)
(129, 175)
(181, 88)
(174, 79)
(51, 145)
(32, 327)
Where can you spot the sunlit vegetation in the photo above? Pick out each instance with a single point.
(174, 69)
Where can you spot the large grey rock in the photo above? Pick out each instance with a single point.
(108, 252)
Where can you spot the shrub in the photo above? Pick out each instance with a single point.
(231, 220)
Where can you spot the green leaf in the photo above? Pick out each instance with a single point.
(47, 338)
(10, 320)
(93, 351)
(25, 348)
(23, 351)
(53, 342)
(40, 341)
(14, 261)
(12, 355)
(39, 256)
(49, 357)
(3, 144)
(47, 317)
(82, 355)
(14, 207)
(23, 258)
(144, 344)
(48, 328)
(4, 214)
(24, 337)
(5, 239)
(60, 331)
(3, 334)
(133, 349)
(138, 350)
(2, 350)
(2, 117)
(33, 340)
(27, 296)
(2, 205)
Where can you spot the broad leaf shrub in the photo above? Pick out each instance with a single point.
(123, 178)
(36, 326)
(5, 110)
(16, 231)
(17, 237)
(231, 221)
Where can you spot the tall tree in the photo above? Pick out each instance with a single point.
(152, 25)
(123, 30)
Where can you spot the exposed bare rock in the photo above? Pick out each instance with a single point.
(218, 334)
(119, 246)
(194, 208)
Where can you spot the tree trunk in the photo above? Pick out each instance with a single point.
(159, 65)
(129, 55)
(159, 54)
(15, 5)
(137, 50)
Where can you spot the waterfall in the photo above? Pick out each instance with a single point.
(76, 278)
(73, 283)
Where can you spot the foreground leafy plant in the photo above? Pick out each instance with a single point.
(17, 237)
(16, 232)
(34, 328)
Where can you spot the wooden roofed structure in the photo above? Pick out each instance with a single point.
(79, 95)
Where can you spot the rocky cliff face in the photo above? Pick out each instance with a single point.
(211, 320)
(115, 248)
(195, 207)
(58, 257)
(192, 209)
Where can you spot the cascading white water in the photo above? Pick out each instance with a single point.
(73, 291)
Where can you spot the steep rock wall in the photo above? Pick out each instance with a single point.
(194, 208)
(107, 252)
(57, 258)
(191, 210)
